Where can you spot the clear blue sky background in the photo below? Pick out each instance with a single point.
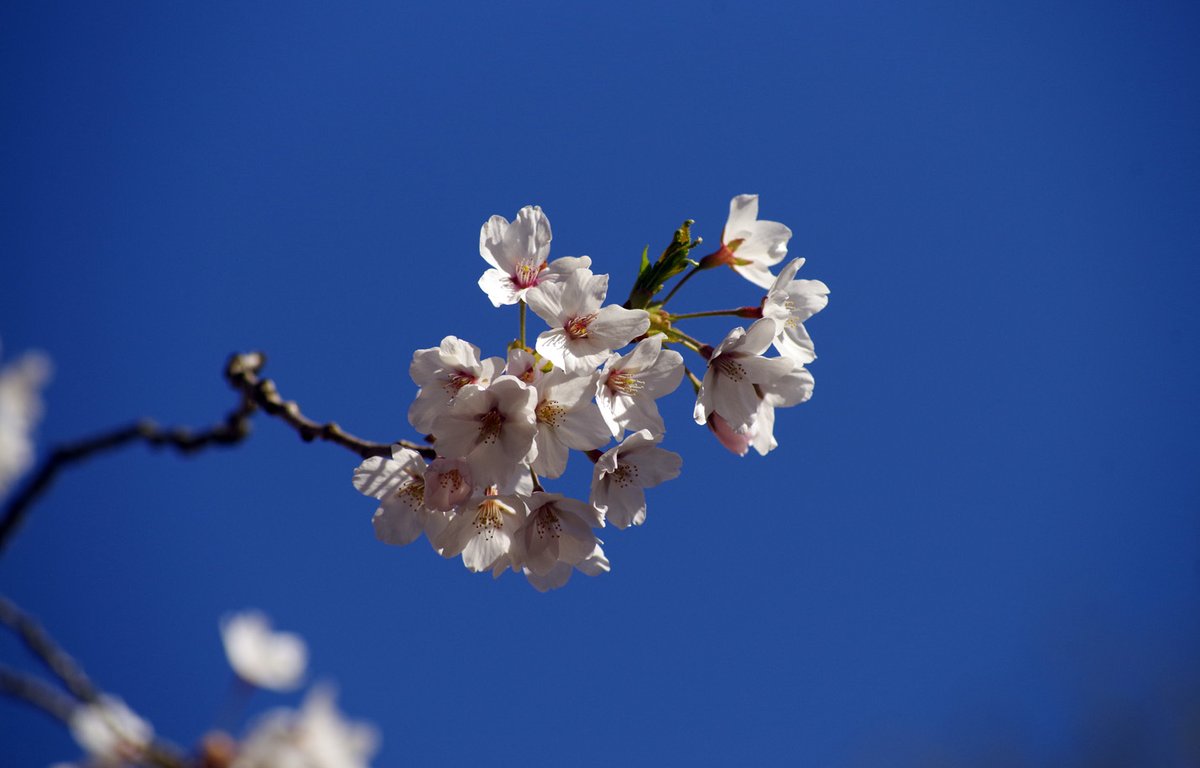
(979, 541)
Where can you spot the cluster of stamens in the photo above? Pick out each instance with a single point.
(577, 327)
(625, 383)
(490, 424)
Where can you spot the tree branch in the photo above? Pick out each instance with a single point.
(232, 430)
(42, 645)
(37, 693)
(242, 373)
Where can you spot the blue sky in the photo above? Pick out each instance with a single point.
(979, 539)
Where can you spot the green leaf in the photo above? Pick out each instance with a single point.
(652, 277)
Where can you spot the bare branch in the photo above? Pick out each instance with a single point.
(42, 645)
(37, 693)
(242, 372)
(233, 429)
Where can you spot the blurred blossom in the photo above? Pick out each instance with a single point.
(259, 655)
(110, 733)
(21, 384)
(315, 736)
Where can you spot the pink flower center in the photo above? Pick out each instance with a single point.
(527, 275)
(577, 327)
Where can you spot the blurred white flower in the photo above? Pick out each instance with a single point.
(316, 736)
(622, 474)
(790, 302)
(582, 332)
(21, 385)
(110, 732)
(261, 656)
(518, 253)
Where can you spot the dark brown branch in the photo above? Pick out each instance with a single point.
(39, 642)
(233, 429)
(37, 693)
(242, 372)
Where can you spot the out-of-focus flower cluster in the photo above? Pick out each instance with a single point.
(590, 383)
(315, 735)
(21, 385)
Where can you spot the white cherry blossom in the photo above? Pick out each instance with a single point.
(794, 388)
(736, 442)
(557, 530)
(790, 302)
(735, 368)
(523, 365)
(399, 484)
(622, 474)
(582, 332)
(21, 385)
(482, 531)
(316, 736)
(566, 418)
(447, 484)
(592, 565)
(261, 656)
(751, 246)
(110, 732)
(518, 253)
(441, 372)
(493, 428)
(630, 384)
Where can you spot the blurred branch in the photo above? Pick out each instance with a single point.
(242, 372)
(39, 642)
(233, 429)
(36, 693)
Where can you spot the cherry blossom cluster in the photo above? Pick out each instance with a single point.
(314, 736)
(500, 426)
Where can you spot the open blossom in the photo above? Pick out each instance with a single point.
(482, 531)
(523, 365)
(566, 418)
(492, 428)
(622, 474)
(261, 656)
(110, 732)
(582, 332)
(790, 302)
(21, 383)
(557, 530)
(794, 388)
(592, 565)
(518, 253)
(447, 484)
(399, 484)
(316, 736)
(735, 368)
(630, 384)
(752, 246)
(441, 372)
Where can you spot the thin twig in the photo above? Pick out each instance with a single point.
(242, 373)
(680, 284)
(42, 645)
(233, 429)
(37, 693)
